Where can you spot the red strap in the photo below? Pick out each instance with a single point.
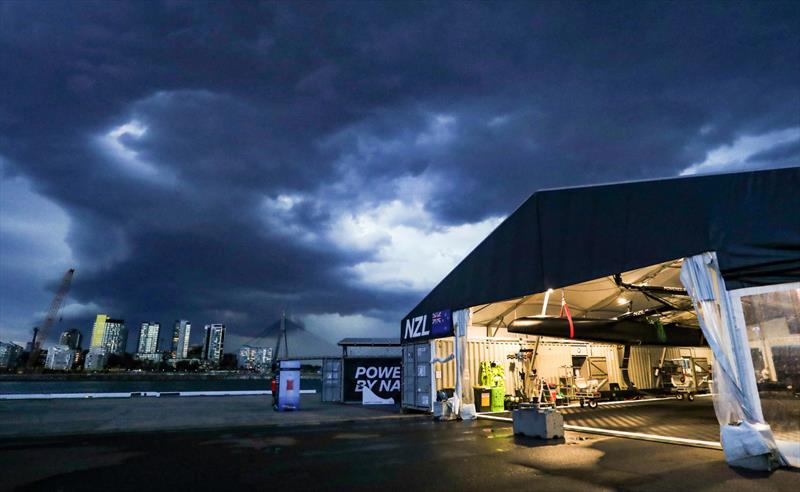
(565, 308)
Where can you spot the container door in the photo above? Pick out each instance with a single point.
(417, 376)
(332, 380)
(423, 375)
(409, 370)
(598, 369)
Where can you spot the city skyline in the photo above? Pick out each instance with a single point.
(166, 338)
(149, 354)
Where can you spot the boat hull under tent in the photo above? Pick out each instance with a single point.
(629, 332)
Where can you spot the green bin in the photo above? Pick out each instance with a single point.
(498, 399)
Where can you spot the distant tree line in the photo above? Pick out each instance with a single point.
(128, 362)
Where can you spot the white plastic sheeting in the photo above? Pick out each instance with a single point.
(771, 317)
(462, 320)
(746, 438)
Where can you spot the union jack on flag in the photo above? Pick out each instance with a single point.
(441, 322)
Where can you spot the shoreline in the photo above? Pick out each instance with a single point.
(139, 394)
(143, 376)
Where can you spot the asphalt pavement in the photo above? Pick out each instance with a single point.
(23, 418)
(410, 454)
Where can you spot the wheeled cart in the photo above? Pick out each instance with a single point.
(689, 378)
(587, 391)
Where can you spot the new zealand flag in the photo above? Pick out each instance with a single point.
(441, 324)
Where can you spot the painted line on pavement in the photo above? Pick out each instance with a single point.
(493, 417)
(645, 437)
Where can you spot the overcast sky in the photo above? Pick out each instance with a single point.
(222, 162)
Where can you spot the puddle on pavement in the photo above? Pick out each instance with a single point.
(256, 442)
(355, 435)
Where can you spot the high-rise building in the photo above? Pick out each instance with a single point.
(96, 359)
(99, 331)
(116, 339)
(213, 342)
(180, 339)
(71, 338)
(79, 358)
(9, 353)
(110, 334)
(255, 358)
(148, 337)
(155, 357)
(60, 357)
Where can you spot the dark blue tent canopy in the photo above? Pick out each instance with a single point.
(562, 237)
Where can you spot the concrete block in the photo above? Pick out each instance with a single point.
(542, 423)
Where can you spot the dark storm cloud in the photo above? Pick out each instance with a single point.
(205, 153)
(784, 154)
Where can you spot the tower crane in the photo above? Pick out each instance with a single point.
(55, 306)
